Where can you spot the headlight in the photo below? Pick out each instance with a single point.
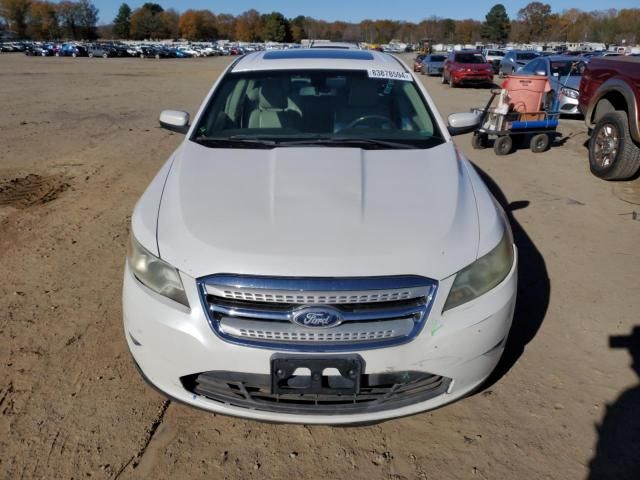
(569, 92)
(482, 275)
(155, 273)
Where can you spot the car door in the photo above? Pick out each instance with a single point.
(447, 63)
(505, 63)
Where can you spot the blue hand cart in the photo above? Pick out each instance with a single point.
(504, 128)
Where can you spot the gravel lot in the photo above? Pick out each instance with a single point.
(79, 142)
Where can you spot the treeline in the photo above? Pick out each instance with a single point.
(45, 20)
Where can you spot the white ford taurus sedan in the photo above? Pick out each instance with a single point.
(317, 250)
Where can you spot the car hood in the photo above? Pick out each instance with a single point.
(318, 211)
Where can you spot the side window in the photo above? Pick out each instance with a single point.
(532, 67)
(413, 112)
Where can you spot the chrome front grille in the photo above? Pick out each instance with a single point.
(374, 311)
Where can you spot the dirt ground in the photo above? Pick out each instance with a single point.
(79, 142)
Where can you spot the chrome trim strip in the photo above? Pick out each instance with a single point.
(288, 332)
(321, 284)
(287, 315)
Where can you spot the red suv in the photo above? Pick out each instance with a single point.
(467, 67)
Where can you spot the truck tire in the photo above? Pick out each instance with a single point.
(612, 153)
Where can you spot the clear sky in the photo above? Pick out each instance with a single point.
(357, 10)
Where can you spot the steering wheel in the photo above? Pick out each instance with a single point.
(381, 119)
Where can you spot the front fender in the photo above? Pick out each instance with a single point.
(618, 85)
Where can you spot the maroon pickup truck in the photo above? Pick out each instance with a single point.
(610, 102)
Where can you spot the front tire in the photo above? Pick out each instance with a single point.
(540, 143)
(503, 145)
(479, 141)
(612, 153)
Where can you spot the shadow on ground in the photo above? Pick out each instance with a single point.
(617, 454)
(533, 287)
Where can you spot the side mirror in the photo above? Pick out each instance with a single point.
(175, 120)
(460, 123)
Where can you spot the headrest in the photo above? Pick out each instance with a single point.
(273, 95)
(363, 93)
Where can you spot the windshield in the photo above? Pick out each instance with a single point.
(564, 68)
(527, 56)
(436, 58)
(470, 58)
(267, 109)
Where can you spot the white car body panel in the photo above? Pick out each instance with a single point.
(348, 213)
(317, 212)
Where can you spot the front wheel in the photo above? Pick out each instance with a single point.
(479, 141)
(540, 143)
(503, 145)
(612, 153)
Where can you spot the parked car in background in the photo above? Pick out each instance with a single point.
(72, 50)
(467, 67)
(564, 74)
(155, 52)
(494, 56)
(102, 50)
(433, 64)
(41, 50)
(515, 59)
(417, 62)
(182, 53)
(610, 102)
(334, 45)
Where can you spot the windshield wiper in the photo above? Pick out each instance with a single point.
(240, 141)
(362, 142)
(235, 142)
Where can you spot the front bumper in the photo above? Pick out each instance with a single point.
(468, 79)
(568, 105)
(170, 342)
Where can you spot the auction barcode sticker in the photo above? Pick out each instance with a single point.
(389, 74)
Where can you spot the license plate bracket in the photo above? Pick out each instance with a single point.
(286, 377)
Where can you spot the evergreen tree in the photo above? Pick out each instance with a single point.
(122, 22)
(497, 25)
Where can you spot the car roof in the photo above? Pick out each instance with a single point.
(317, 58)
(561, 58)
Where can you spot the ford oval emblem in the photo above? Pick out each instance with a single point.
(317, 317)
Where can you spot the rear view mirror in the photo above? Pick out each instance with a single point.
(460, 123)
(175, 120)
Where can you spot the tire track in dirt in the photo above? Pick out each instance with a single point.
(33, 189)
